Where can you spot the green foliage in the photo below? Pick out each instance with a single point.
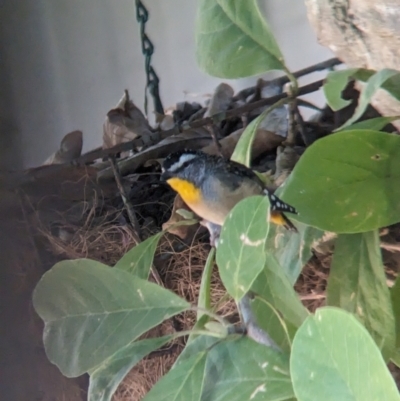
(139, 259)
(233, 40)
(357, 283)
(204, 302)
(347, 182)
(105, 379)
(395, 297)
(374, 124)
(386, 79)
(292, 252)
(242, 153)
(244, 370)
(336, 82)
(184, 382)
(334, 359)
(241, 250)
(92, 311)
(273, 286)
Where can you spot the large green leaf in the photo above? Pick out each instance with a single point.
(91, 311)
(245, 370)
(347, 182)
(106, 378)
(241, 250)
(184, 382)
(233, 40)
(273, 286)
(357, 283)
(336, 82)
(335, 359)
(292, 250)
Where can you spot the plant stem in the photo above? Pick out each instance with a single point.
(131, 215)
(210, 314)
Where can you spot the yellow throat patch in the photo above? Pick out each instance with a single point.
(188, 192)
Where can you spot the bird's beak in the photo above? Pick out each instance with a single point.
(165, 175)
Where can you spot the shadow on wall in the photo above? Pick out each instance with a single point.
(10, 135)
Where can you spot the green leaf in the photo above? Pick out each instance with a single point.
(198, 344)
(347, 182)
(183, 382)
(376, 124)
(273, 286)
(91, 311)
(335, 359)
(204, 301)
(242, 152)
(139, 259)
(241, 249)
(107, 377)
(268, 319)
(357, 283)
(396, 357)
(292, 250)
(233, 40)
(395, 298)
(245, 370)
(336, 82)
(386, 79)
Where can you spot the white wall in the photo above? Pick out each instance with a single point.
(65, 63)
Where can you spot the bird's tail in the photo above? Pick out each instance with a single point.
(278, 207)
(280, 219)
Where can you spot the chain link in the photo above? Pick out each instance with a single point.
(142, 16)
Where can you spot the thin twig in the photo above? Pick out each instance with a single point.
(311, 297)
(300, 123)
(131, 215)
(292, 129)
(390, 247)
(127, 203)
(280, 81)
(214, 135)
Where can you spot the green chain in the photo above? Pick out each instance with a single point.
(152, 83)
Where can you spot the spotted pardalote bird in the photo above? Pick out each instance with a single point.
(211, 186)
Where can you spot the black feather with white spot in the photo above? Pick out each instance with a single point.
(278, 205)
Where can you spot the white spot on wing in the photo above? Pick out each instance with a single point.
(264, 365)
(140, 294)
